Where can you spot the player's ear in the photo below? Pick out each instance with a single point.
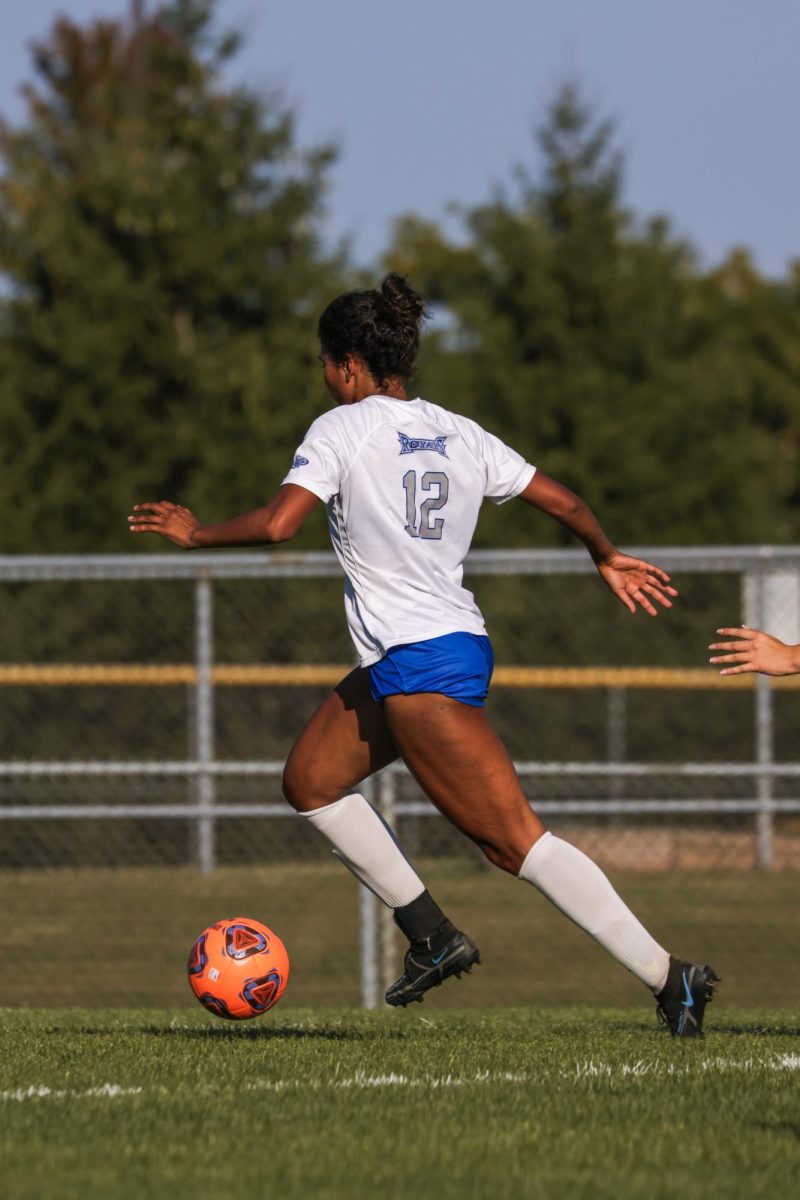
(352, 364)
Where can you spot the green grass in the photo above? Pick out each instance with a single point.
(548, 1103)
(121, 937)
(141, 1094)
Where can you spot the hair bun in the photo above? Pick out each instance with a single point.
(402, 298)
(381, 326)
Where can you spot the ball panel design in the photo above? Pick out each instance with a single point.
(262, 993)
(242, 940)
(238, 968)
(215, 1005)
(198, 959)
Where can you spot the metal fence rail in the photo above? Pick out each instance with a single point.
(763, 572)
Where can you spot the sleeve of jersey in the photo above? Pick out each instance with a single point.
(317, 464)
(507, 473)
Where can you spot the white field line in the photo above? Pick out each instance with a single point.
(361, 1080)
(39, 1091)
(637, 1069)
(784, 1062)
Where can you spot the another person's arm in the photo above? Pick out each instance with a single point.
(632, 580)
(275, 522)
(754, 650)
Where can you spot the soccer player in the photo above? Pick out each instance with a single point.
(403, 481)
(754, 650)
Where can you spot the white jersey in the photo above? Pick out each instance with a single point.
(403, 482)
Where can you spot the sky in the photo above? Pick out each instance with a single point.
(434, 101)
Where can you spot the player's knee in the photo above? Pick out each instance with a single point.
(507, 858)
(295, 786)
(302, 788)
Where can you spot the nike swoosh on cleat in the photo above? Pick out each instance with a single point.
(689, 1001)
(437, 958)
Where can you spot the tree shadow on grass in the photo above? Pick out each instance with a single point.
(232, 1032)
(792, 1128)
(753, 1030)
(660, 1031)
(212, 1033)
(251, 1033)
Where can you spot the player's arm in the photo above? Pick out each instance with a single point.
(754, 650)
(632, 580)
(275, 522)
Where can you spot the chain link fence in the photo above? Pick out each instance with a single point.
(149, 703)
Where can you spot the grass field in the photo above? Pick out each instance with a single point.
(142, 1094)
(561, 1103)
(121, 937)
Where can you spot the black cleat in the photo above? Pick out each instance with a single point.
(682, 1002)
(424, 971)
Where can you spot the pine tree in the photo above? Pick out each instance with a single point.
(160, 246)
(595, 344)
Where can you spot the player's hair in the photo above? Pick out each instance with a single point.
(381, 326)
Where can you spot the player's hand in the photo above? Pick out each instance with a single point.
(753, 650)
(635, 582)
(174, 522)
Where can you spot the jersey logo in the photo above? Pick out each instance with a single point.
(409, 445)
(299, 461)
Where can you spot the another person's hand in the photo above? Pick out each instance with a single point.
(634, 581)
(754, 650)
(174, 522)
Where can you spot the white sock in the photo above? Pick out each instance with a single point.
(579, 888)
(366, 845)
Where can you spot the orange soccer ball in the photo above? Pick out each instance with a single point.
(238, 968)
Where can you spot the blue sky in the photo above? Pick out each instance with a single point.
(433, 101)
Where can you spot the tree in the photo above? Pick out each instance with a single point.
(160, 245)
(594, 343)
(761, 320)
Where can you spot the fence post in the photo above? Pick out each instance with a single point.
(387, 930)
(204, 720)
(616, 735)
(193, 853)
(764, 750)
(369, 938)
(368, 912)
(376, 924)
(764, 735)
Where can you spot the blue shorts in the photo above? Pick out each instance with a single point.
(458, 665)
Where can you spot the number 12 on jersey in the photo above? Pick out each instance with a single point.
(421, 525)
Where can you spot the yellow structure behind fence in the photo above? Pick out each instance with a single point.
(329, 674)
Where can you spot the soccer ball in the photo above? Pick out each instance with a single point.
(238, 968)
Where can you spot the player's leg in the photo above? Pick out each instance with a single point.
(343, 742)
(462, 765)
(346, 740)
